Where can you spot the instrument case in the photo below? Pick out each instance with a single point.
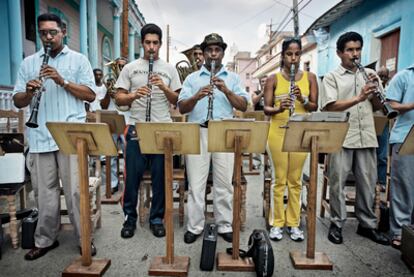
(208, 252)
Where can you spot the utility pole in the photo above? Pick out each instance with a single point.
(168, 43)
(270, 29)
(295, 18)
(125, 29)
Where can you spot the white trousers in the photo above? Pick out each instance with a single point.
(197, 172)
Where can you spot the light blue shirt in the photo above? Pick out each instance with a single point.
(56, 103)
(401, 89)
(222, 108)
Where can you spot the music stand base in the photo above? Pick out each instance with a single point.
(115, 198)
(320, 262)
(97, 268)
(225, 262)
(179, 268)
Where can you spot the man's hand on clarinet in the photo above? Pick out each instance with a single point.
(50, 72)
(32, 86)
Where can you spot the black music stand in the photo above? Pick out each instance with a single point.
(83, 139)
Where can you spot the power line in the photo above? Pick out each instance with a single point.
(252, 17)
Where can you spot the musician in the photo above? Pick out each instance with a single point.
(132, 90)
(100, 90)
(344, 89)
(384, 75)
(400, 93)
(258, 96)
(198, 56)
(193, 99)
(287, 166)
(68, 82)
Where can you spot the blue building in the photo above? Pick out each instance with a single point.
(387, 27)
(93, 28)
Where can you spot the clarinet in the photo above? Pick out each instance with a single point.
(389, 112)
(211, 95)
(32, 122)
(292, 95)
(149, 96)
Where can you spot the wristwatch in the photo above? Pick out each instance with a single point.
(65, 83)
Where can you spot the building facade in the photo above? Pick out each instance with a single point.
(386, 27)
(93, 28)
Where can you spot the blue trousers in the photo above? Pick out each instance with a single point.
(382, 153)
(135, 164)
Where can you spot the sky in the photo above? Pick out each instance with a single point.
(241, 23)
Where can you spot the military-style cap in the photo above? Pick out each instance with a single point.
(213, 39)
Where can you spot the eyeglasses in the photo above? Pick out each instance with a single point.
(52, 32)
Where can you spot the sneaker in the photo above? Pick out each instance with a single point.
(296, 234)
(276, 233)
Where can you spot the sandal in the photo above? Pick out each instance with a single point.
(396, 243)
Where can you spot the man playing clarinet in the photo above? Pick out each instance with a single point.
(148, 85)
(67, 81)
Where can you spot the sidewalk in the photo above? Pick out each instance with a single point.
(357, 256)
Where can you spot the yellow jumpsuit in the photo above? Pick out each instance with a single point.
(287, 166)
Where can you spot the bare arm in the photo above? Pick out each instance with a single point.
(312, 105)
(269, 107)
(171, 95)
(256, 97)
(402, 108)
(344, 104)
(123, 98)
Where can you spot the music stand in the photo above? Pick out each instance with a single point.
(313, 137)
(169, 139)
(83, 139)
(237, 136)
(407, 147)
(380, 121)
(116, 124)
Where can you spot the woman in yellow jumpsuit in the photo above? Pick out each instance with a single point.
(287, 166)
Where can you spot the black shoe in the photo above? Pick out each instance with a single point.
(190, 237)
(114, 189)
(93, 250)
(128, 230)
(227, 236)
(335, 234)
(158, 230)
(38, 252)
(373, 235)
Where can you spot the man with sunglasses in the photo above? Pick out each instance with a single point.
(68, 81)
(228, 94)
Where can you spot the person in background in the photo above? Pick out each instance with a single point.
(382, 150)
(400, 94)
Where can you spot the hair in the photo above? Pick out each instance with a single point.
(50, 17)
(285, 45)
(348, 36)
(196, 46)
(96, 70)
(151, 28)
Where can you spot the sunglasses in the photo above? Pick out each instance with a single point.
(52, 32)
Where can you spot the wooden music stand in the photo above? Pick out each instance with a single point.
(83, 139)
(169, 139)
(380, 121)
(238, 136)
(313, 137)
(116, 124)
(407, 148)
